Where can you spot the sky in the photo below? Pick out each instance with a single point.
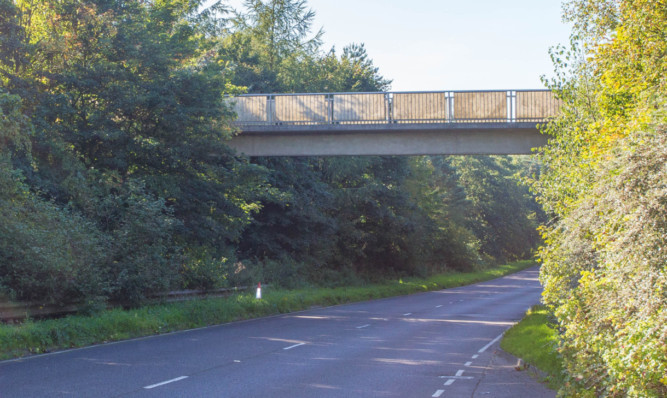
(425, 45)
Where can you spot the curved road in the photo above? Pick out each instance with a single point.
(437, 344)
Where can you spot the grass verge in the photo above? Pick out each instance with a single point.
(535, 341)
(34, 337)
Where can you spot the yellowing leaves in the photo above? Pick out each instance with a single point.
(604, 260)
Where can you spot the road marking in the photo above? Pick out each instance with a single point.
(165, 382)
(364, 326)
(438, 393)
(459, 373)
(294, 346)
(438, 306)
(407, 313)
(449, 382)
(490, 344)
(457, 377)
(475, 356)
(467, 364)
(237, 361)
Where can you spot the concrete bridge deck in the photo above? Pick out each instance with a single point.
(405, 123)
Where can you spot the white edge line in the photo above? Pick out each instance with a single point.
(165, 382)
(438, 393)
(294, 346)
(449, 382)
(490, 344)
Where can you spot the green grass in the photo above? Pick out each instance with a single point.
(535, 341)
(34, 337)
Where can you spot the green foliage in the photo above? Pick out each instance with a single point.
(203, 270)
(279, 29)
(501, 212)
(604, 187)
(15, 128)
(126, 100)
(142, 259)
(614, 313)
(47, 254)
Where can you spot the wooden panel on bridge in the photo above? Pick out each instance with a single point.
(420, 107)
(536, 105)
(359, 108)
(480, 106)
(251, 108)
(302, 109)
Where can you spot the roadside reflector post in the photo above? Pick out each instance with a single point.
(258, 296)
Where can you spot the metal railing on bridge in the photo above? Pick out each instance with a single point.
(506, 106)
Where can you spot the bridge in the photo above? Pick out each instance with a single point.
(392, 123)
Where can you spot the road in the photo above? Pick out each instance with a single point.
(436, 344)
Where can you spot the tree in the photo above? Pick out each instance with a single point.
(501, 212)
(279, 29)
(47, 254)
(127, 101)
(603, 187)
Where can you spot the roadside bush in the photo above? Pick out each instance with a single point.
(47, 254)
(604, 185)
(144, 259)
(284, 272)
(205, 271)
(609, 283)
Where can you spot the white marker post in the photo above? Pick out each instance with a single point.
(258, 296)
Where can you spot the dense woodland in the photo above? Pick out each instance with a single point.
(116, 181)
(604, 187)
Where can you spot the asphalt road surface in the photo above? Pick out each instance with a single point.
(437, 344)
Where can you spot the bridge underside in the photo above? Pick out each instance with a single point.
(389, 139)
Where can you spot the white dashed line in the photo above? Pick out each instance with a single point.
(457, 377)
(490, 344)
(449, 382)
(407, 313)
(467, 364)
(364, 326)
(165, 382)
(294, 346)
(475, 356)
(438, 393)
(459, 373)
(438, 306)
